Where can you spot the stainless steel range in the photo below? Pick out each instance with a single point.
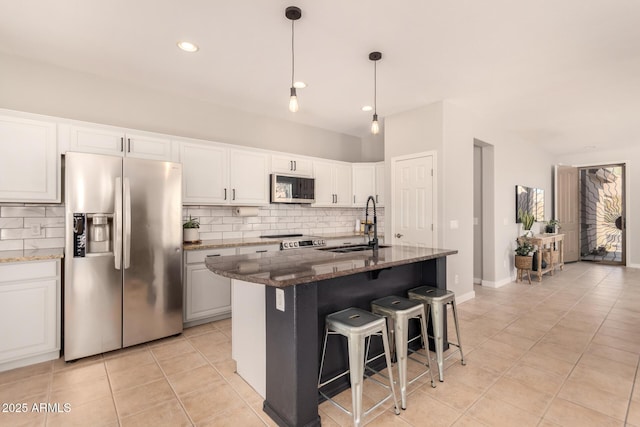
(298, 241)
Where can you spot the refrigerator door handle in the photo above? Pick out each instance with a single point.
(117, 249)
(126, 210)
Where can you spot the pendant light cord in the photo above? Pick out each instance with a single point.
(293, 55)
(375, 87)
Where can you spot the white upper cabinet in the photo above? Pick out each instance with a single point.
(291, 165)
(332, 183)
(380, 183)
(217, 175)
(205, 179)
(89, 138)
(364, 182)
(248, 177)
(29, 161)
(368, 180)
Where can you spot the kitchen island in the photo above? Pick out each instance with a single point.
(281, 299)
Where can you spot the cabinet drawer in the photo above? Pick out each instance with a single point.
(257, 249)
(24, 271)
(198, 256)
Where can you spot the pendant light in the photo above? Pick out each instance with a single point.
(375, 57)
(293, 13)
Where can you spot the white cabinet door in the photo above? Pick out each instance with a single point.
(248, 177)
(29, 163)
(332, 184)
(118, 142)
(380, 183)
(29, 312)
(204, 174)
(291, 165)
(96, 139)
(323, 172)
(364, 183)
(342, 184)
(148, 146)
(205, 294)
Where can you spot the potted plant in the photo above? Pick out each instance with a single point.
(190, 230)
(524, 256)
(552, 226)
(527, 219)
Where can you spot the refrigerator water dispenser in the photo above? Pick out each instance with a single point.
(99, 233)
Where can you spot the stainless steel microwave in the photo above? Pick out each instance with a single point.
(292, 189)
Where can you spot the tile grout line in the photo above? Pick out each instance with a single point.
(166, 378)
(633, 387)
(582, 353)
(210, 363)
(502, 375)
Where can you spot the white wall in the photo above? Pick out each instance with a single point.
(631, 157)
(45, 89)
(450, 131)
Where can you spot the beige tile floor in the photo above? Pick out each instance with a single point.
(563, 352)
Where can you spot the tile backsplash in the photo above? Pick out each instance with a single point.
(28, 226)
(219, 222)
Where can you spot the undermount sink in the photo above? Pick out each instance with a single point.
(351, 248)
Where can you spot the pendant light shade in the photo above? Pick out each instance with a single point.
(293, 13)
(375, 126)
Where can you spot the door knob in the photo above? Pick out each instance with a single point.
(398, 235)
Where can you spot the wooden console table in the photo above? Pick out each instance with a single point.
(553, 246)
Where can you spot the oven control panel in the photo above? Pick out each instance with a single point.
(300, 244)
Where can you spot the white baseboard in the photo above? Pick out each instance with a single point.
(633, 265)
(465, 297)
(52, 355)
(498, 284)
(477, 281)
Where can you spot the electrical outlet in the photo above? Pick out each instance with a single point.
(280, 299)
(456, 279)
(35, 229)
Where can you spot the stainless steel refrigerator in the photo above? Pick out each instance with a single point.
(123, 252)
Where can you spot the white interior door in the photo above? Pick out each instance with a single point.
(413, 196)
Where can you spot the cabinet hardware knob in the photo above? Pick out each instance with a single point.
(398, 235)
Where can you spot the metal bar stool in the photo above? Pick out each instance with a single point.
(357, 325)
(398, 311)
(437, 299)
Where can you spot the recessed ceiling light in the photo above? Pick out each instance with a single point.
(299, 85)
(367, 108)
(188, 46)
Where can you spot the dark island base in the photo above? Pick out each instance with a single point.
(294, 336)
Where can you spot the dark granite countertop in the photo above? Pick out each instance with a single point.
(287, 268)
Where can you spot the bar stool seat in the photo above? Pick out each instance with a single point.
(356, 325)
(436, 299)
(398, 311)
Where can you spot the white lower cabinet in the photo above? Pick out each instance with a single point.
(207, 296)
(29, 313)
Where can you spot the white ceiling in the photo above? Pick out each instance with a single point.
(564, 74)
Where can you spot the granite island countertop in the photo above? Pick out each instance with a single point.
(31, 255)
(288, 268)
